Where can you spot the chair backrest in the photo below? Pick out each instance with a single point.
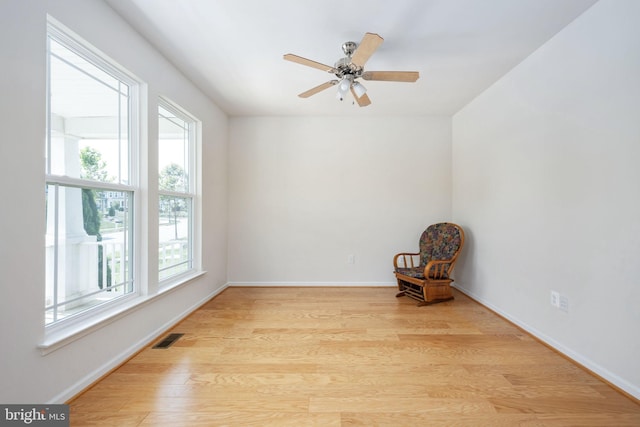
(442, 241)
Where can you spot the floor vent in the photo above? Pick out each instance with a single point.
(168, 341)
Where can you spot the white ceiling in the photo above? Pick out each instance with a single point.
(232, 49)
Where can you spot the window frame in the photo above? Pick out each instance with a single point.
(145, 198)
(191, 192)
(66, 38)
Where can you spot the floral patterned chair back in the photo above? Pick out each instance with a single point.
(440, 241)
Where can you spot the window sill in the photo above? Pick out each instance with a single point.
(67, 334)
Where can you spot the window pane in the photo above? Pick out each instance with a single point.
(89, 235)
(176, 143)
(65, 54)
(88, 119)
(173, 151)
(174, 250)
(88, 247)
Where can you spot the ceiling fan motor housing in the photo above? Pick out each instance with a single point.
(344, 67)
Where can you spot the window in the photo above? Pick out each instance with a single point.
(90, 180)
(176, 187)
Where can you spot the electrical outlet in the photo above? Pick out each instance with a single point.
(555, 299)
(351, 259)
(564, 303)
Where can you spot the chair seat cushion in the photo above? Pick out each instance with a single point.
(415, 272)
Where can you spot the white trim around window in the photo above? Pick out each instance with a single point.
(178, 189)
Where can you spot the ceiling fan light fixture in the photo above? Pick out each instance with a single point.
(345, 84)
(359, 89)
(343, 87)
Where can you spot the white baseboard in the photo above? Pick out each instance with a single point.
(578, 358)
(88, 380)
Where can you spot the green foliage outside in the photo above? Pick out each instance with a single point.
(90, 214)
(173, 178)
(93, 167)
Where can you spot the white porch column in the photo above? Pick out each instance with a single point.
(77, 259)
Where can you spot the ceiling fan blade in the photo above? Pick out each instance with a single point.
(369, 44)
(309, 63)
(318, 88)
(391, 76)
(363, 101)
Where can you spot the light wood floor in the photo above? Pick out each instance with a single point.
(349, 357)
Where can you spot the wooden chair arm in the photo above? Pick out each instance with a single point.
(407, 260)
(438, 269)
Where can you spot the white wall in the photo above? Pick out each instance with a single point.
(26, 375)
(305, 193)
(545, 181)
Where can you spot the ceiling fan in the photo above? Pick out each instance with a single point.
(350, 68)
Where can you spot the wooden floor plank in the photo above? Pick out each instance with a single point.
(241, 418)
(349, 357)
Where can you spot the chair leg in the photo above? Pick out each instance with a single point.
(436, 293)
(400, 288)
(400, 285)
